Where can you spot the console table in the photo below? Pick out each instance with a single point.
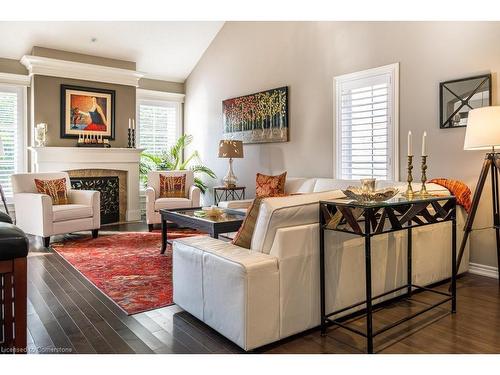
(370, 219)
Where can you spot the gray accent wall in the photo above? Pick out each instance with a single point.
(247, 57)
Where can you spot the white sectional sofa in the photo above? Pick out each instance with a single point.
(258, 296)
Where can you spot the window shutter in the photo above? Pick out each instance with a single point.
(364, 127)
(10, 103)
(158, 125)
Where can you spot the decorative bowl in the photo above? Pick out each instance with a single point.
(213, 211)
(360, 195)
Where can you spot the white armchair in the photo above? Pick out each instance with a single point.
(154, 203)
(36, 215)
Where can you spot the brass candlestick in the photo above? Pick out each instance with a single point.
(423, 190)
(409, 190)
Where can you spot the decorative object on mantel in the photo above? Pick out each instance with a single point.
(172, 160)
(131, 133)
(459, 96)
(2, 195)
(41, 134)
(257, 118)
(92, 140)
(483, 133)
(87, 111)
(230, 149)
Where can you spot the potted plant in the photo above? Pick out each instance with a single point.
(173, 160)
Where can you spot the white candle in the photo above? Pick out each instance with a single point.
(424, 137)
(410, 148)
(133, 123)
(129, 123)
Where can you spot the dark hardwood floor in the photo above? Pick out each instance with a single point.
(67, 314)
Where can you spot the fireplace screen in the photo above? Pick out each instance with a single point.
(109, 189)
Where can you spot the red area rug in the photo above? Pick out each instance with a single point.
(126, 267)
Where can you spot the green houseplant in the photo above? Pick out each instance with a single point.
(172, 160)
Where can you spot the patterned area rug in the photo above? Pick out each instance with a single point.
(126, 267)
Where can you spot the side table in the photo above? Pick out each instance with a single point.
(370, 219)
(224, 193)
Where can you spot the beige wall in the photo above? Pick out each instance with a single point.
(165, 86)
(12, 67)
(246, 57)
(47, 107)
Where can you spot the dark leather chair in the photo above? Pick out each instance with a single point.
(13, 276)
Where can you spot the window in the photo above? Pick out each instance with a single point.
(159, 124)
(367, 124)
(12, 120)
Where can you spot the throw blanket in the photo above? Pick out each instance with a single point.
(458, 189)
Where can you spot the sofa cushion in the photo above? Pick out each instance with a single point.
(285, 212)
(56, 189)
(172, 203)
(65, 212)
(268, 186)
(295, 185)
(172, 186)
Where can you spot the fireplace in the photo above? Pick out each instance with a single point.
(110, 194)
(111, 183)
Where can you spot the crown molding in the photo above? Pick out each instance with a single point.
(45, 66)
(15, 79)
(159, 95)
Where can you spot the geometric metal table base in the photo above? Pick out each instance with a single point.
(368, 220)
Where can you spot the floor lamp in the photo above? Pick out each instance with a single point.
(483, 133)
(2, 154)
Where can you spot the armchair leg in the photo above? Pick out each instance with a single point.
(95, 233)
(150, 227)
(46, 241)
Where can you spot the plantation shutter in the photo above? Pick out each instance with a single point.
(10, 124)
(158, 124)
(365, 127)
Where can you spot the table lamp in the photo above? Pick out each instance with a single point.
(2, 195)
(230, 149)
(483, 133)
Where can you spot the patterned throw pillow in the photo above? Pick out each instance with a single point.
(172, 186)
(270, 186)
(56, 189)
(244, 236)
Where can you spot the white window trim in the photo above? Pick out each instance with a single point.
(393, 70)
(22, 131)
(158, 98)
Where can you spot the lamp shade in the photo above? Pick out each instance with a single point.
(2, 151)
(483, 129)
(230, 149)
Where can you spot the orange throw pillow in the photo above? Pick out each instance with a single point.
(270, 186)
(172, 186)
(56, 189)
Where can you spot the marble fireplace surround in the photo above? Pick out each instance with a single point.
(96, 162)
(122, 183)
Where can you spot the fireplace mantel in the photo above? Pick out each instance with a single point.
(48, 159)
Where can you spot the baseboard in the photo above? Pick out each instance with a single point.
(483, 270)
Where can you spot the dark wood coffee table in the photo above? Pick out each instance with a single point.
(229, 221)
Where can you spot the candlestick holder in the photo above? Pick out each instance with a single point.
(133, 138)
(409, 193)
(423, 189)
(129, 136)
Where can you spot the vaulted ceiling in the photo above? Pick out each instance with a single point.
(167, 50)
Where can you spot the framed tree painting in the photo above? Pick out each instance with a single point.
(86, 110)
(459, 96)
(257, 118)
